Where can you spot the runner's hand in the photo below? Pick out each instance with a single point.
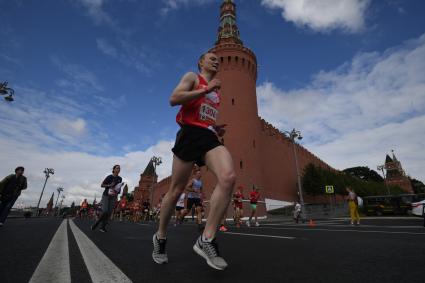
(213, 85)
(220, 130)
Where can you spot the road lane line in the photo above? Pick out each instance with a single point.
(54, 265)
(100, 267)
(345, 230)
(260, 235)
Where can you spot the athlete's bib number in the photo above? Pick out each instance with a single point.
(208, 113)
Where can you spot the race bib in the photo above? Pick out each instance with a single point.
(208, 113)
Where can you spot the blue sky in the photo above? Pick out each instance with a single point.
(93, 77)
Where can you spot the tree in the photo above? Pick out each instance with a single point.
(418, 186)
(316, 178)
(364, 173)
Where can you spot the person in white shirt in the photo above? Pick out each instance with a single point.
(180, 209)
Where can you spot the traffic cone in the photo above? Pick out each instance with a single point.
(312, 224)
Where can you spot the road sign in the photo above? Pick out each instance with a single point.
(329, 189)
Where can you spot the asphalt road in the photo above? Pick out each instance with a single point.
(379, 250)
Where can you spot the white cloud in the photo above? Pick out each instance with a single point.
(357, 113)
(106, 48)
(79, 173)
(323, 15)
(170, 5)
(77, 127)
(129, 55)
(95, 10)
(78, 76)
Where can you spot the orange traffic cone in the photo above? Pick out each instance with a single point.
(312, 224)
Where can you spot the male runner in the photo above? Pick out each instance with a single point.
(238, 206)
(197, 142)
(253, 199)
(194, 192)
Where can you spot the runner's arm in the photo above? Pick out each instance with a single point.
(189, 186)
(106, 181)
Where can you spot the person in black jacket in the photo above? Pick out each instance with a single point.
(109, 197)
(10, 189)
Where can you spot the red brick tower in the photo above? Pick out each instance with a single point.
(396, 175)
(238, 107)
(142, 192)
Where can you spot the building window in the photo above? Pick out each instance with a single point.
(229, 59)
(236, 59)
(221, 59)
(243, 61)
(233, 101)
(253, 143)
(241, 164)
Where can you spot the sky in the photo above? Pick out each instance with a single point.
(92, 80)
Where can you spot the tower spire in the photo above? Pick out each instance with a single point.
(228, 30)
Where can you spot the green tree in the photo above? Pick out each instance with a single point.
(315, 179)
(364, 173)
(418, 186)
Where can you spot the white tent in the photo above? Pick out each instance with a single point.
(272, 204)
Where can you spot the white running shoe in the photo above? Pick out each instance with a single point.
(209, 251)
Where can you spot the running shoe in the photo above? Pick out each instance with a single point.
(103, 230)
(209, 251)
(257, 224)
(159, 255)
(222, 228)
(248, 224)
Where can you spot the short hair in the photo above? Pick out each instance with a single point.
(19, 168)
(115, 166)
(201, 58)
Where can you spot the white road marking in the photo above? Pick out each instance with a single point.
(345, 230)
(100, 267)
(54, 265)
(260, 235)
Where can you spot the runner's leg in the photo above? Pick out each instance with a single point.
(181, 172)
(220, 162)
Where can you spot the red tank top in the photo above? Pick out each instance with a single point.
(201, 112)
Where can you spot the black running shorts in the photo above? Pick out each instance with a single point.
(193, 201)
(192, 143)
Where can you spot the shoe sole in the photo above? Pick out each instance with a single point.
(156, 261)
(202, 254)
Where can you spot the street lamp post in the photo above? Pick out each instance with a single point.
(59, 190)
(5, 90)
(382, 167)
(60, 204)
(47, 172)
(294, 134)
(155, 161)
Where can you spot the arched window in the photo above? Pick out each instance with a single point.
(233, 101)
(241, 164)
